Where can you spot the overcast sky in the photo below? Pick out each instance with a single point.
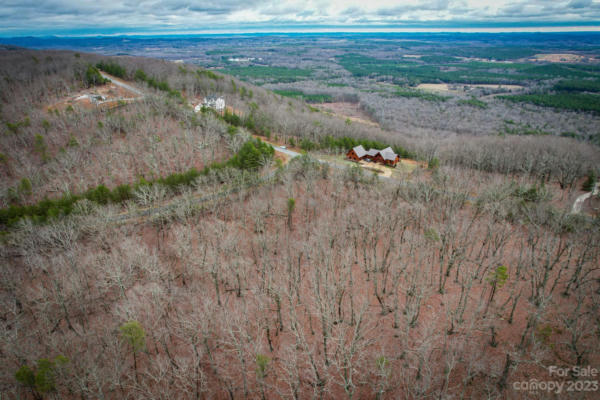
(35, 17)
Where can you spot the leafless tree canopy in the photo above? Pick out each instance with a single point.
(451, 283)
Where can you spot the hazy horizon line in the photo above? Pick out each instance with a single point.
(558, 28)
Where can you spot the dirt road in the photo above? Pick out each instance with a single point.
(122, 84)
(581, 199)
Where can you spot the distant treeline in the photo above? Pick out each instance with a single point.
(512, 128)
(499, 53)
(568, 94)
(578, 86)
(473, 102)
(419, 94)
(309, 98)
(562, 100)
(271, 74)
(434, 69)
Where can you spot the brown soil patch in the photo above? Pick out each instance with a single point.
(378, 168)
(283, 157)
(104, 96)
(564, 58)
(421, 164)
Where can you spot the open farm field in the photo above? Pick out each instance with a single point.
(564, 58)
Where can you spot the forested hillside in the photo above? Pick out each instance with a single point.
(150, 251)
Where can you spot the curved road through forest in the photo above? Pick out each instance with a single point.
(578, 204)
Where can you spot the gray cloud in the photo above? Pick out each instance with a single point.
(438, 5)
(542, 10)
(579, 4)
(31, 16)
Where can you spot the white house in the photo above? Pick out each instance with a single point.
(214, 102)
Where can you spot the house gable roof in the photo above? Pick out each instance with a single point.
(359, 151)
(388, 154)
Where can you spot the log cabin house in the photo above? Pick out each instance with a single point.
(389, 157)
(357, 153)
(371, 155)
(386, 156)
